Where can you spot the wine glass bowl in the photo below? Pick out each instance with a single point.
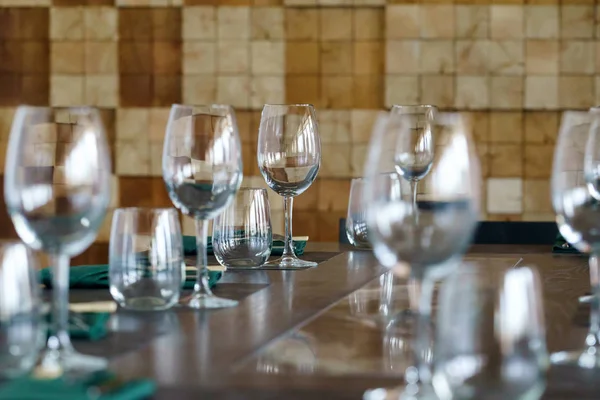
(289, 158)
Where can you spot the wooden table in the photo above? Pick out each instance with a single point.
(316, 333)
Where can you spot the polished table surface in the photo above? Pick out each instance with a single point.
(318, 333)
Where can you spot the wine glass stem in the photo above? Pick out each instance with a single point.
(201, 285)
(413, 191)
(288, 249)
(414, 293)
(421, 372)
(59, 338)
(593, 338)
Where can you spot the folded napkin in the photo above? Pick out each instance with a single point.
(561, 246)
(88, 325)
(100, 386)
(96, 277)
(189, 245)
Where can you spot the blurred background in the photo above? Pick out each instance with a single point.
(513, 65)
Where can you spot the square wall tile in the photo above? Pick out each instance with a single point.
(302, 24)
(234, 90)
(233, 23)
(542, 21)
(538, 160)
(336, 23)
(336, 58)
(507, 57)
(133, 159)
(333, 194)
(437, 57)
(368, 23)
(167, 57)
(335, 161)
(199, 89)
(199, 23)
(402, 56)
(101, 58)
(135, 23)
(506, 21)
(504, 195)
(368, 91)
(506, 160)
(472, 56)
(199, 57)
(337, 92)
(577, 57)
(101, 90)
(6, 119)
(35, 89)
(166, 23)
(576, 92)
(401, 90)
(266, 90)
(506, 127)
(132, 124)
(536, 196)
(334, 126)
(267, 23)
(472, 21)
(438, 90)
(542, 57)
(402, 21)
(135, 57)
(541, 127)
(267, 57)
(472, 92)
(359, 155)
(66, 23)
(369, 57)
(541, 92)
(166, 90)
(66, 90)
(362, 124)
(35, 57)
(507, 92)
(135, 91)
(233, 57)
(577, 21)
(437, 21)
(100, 23)
(67, 57)
(302, 58)
(303, 89)
(158, 119)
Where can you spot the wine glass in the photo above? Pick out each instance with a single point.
(289, 157)
(202, 169)
(448, 214)
(574, 197)
(414, 153)
(57, 190)
(491, 341)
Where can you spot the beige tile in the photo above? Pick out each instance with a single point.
(336, 58)
(402, 56)
(156, 159)
(472, 21)
(132, 124)
(536, 196)
(362, 123)
(66, 23)
(481, 125)
(368, 57)
(541, 57)
(266, 90)
(233, 57)
(199, 89)
(233, 23)
(335, 160)
(302, 24)
(369, 3)
(66, 90)
(507, 92)
(541, 92)
(267, 23)
(437, 57)
(401, 90)
(100, 23)
(577, 57)
(506, 160)
(541, 21)
(597, 92)
(541, 127)
(334, 3)
(199, 57)
(199, 23)
(337, 92)
(268, 57)
(438, 90)
(133, 158)
(101, 57)
(334, 126)
(158, 119)
(234, 90)
(576, 92)
(368, 23)
(358, 158)
(437, 21)
(6, 119)
(472, 92)
(577, 21)
(101, 90)
(299, 3)
(67, 57)
(507, 57)
(472, 56)
(506, 21)
(333, 195)
(402, 21)
(336, 23)
(504, 195)
(506, 127)
(538, 161)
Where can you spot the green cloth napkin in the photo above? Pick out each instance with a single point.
(96, 277)
(189, 246)
(561, 246)
(88, 325)
(98, 386)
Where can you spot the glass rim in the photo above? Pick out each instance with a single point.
(413, 106)
(153, 210)
(251, 189)
(288, 105)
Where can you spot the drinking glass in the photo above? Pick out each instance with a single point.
(22, 330)
(432, 243)
(202, 169)
(574, 192)
(57, 190)
(289, 157)
(414, 153)
(356, 223)
(242, 235)
(491, 340)
(145, 258)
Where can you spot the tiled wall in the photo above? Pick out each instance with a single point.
(513, 64)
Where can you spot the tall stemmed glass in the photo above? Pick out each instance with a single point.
(202, 169)
(57, 190)
(414, 153)
(289, 157)
(574, 197)
(433, 243)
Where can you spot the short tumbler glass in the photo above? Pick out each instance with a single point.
(356, 222)
(242, 234)
(146, 258)
(22, 328)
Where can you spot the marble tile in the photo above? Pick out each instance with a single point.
(336, 58)
(101, 90)
(536, 196)
(436, 57)
(368, 91)
(302, 57)
(66, 23)
(100, 23)
(542, 57)
(401, 90)
(337, 92)
(506, 21)
(234, 90)
(506, 160)
(362, 123)
(402, 21)
(506, 92)
(506, 127)
(199, 89)
(369, 57)
(233, 23)
(335, 23)
(368, 23)
(303, 89)
(266, 90)
(199, 57)
(504, 195)
(267, 57)
(577, 21)
(542, 21)
(576, 92)
(301, 24)
(335, 160)
(472, 21)
(472, 56)
(233, 57)
(472, 92)
(133, 158)
(437, 21)
(541, 127)
(538, 161)
(402, 56)
(334, 126)
(157, 121)
(132, 124)
(67, 57)
(577, 57)
(66, 90)
(267, 23)
(507, 57)
(199, 23)
(101, 58)
(438, 90)
(541, 92)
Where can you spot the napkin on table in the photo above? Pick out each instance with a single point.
(561, 246)
(189, 245)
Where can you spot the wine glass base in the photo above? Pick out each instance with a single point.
(55, 363)
(580, 358)
(418, 392)
(290, 262)
(201, 301)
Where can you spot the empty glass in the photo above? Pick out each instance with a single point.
(289, 158)
(22, 330)
(356, 222)
(242, 235)
(491, 340)
(146, 258)
(432, 236)
(202, 169)
(57, 190)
